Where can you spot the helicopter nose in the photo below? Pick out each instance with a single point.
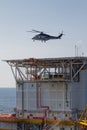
(33, 38)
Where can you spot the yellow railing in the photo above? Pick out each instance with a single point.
(37, 121)
(83, 122)
(83, 118)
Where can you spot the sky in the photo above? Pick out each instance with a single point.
(51, 17)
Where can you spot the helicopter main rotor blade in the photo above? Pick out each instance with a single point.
(28, 31)
(36, 31)
(32, 31)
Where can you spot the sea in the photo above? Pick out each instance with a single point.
(7, 100)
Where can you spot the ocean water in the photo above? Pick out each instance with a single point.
(7, 100)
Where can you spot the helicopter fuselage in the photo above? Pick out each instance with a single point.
(45, 37)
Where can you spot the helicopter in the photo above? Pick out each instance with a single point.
(43, 37)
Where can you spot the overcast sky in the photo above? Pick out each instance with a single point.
(50, 16)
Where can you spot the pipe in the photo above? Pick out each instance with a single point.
(45, 107)
(37, 95)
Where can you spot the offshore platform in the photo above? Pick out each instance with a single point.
(50, 94)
